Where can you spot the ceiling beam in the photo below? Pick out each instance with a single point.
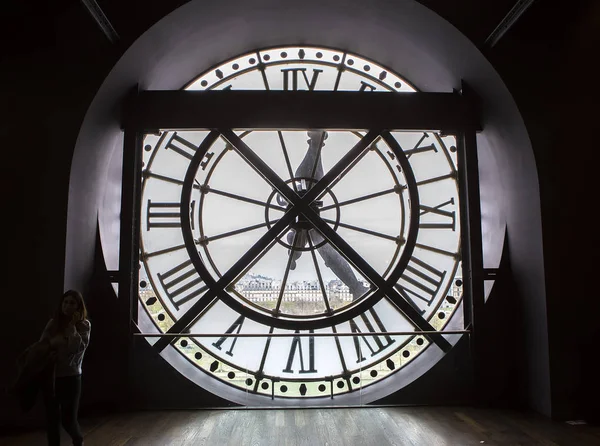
(101, 20)
(507, 22)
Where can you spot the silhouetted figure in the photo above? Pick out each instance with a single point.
(68, 335)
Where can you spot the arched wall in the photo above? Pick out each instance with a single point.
(403, 35)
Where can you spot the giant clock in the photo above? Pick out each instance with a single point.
(334, 254)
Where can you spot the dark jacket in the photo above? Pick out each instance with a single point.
(35, 372)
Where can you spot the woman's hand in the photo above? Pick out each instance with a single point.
(70, 330)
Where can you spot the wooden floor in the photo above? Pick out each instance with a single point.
(422, 426)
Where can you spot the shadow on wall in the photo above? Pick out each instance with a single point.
(502, 383)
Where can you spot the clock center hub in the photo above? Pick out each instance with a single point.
(301, 221)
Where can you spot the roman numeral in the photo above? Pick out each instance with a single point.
(165, 215)
(182, 146)
(453, 255)
(149, 174)
(416, 149)
(423, 282)
(366, 87)
(162, 215)
(236, 326)
(436, 179)
(449, 217)
(177, 286)
(311, 84)
(207, 159)
(297, 347)
(373, 325)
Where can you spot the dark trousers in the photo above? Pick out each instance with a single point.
(63, 406)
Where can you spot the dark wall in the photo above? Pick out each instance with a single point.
(546, 61)
(52, 69)
(49, 73)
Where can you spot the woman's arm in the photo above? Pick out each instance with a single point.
(78, 336)
(47, 333)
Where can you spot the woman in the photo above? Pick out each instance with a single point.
(68, 334)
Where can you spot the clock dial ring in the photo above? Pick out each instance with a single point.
(304, 323)
(342, 61)
(397, 188)
(235, 362)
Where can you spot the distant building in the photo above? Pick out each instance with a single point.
(257, 287)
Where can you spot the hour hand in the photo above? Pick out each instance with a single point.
(300, 242)
(311, 166)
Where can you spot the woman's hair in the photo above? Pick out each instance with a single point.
(60, 319)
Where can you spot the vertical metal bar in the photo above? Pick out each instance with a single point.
(472, 259)
(475, 235)
(129, 246)
(471, 229)
(133, 143)
(464, 234)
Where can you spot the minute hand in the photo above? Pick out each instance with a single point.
(384, 287)
(341, 165)
(311, 167)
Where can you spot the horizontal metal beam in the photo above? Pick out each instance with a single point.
(181, 110)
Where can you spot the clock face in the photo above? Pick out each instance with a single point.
(318, 246)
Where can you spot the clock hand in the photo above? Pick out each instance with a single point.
(339, 265)
(311, 168)
(301, 242)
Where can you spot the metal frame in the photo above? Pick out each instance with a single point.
(301, 205)
(180, 109)
(472, 254)
(449, 113)
(128, 273)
